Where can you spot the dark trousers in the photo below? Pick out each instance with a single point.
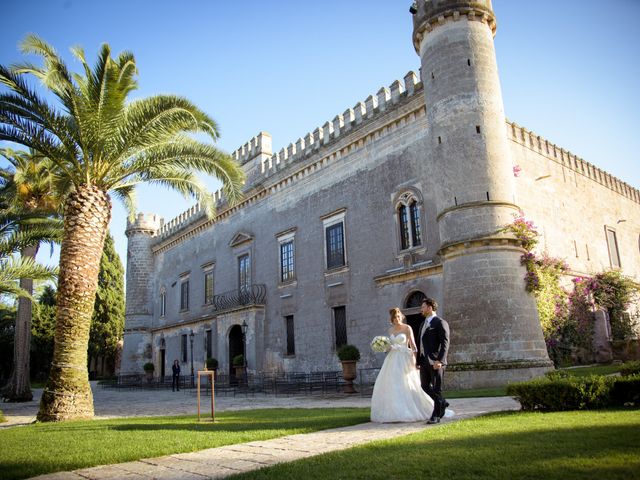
(431, 382)
(175, 382)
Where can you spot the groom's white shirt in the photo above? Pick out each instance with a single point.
(425, 325)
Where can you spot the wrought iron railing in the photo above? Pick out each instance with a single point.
(241, 297)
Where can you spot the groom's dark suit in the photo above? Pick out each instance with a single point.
(435, 341)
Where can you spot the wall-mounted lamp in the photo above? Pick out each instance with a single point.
(622, 220)
(413, 9)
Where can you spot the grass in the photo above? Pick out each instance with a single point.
(2, 419)
(563, 445)
(592, 370)
(476, 392)
(50, 447)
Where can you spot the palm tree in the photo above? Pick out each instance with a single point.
(30, 189)
(101, 144)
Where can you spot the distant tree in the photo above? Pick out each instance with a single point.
(29, 190)
(42, 331)
(7, 328)
(107, 323)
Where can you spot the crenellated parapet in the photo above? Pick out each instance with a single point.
(568, 160)
(258, 145)
(147, 223)
(432, 13)
(344, 123)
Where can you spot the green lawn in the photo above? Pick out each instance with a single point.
(50, 447)
(517, 445)
(2, 419)
(592, 370)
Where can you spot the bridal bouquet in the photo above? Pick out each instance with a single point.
(380, 344)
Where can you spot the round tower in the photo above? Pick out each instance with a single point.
(136, 350)
(496, 333)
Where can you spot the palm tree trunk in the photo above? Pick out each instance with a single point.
(19, 387)
(67, 394)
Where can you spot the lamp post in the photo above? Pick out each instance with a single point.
(191, 335)
(244, 327)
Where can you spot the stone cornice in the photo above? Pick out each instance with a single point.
(484, 203)
(406, 274)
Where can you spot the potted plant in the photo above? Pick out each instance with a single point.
(348, 355)
(148, 370)
(212, 364)
(239, 365)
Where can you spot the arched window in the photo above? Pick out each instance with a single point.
(163, 302)
(408, 210)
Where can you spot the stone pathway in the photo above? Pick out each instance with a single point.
(232, 459)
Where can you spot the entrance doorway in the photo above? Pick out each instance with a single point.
(162, 361)
(412, 312)
(236, 347)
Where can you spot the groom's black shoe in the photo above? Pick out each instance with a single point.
(433, 420)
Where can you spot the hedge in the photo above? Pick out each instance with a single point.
(576, 393)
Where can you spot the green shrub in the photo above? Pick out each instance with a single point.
(630, 368)
(557, 374)
(212, 363)
(238, 361)
(626, 391)
(348, 353)
(556, 394)
(148, 367)
(2, 419)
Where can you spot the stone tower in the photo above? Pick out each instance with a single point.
(137, 350)
(496, 334)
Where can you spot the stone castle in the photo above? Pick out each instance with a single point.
(403, 195)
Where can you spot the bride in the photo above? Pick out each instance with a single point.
(397, 394)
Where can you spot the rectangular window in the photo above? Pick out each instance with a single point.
(287, 261)
(209, 346)
(335, 245)
(612, 241)
(340, 324)
(208, 287)
(244, 273)
(184, 295)
(183, 348)
(291, 345)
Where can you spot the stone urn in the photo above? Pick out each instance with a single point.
(349, 374)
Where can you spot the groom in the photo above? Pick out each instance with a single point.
(433, 346)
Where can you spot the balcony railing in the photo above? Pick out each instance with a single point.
(242, 297)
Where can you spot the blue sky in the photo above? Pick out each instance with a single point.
(569, 69)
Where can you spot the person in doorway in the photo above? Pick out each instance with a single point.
(175, 377)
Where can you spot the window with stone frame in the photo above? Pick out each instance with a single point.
(163, 302)
(335, 240)
(287, 256)
(291, 345)
(340, 325)
(183, 347)
(184, 293)
(612, 243)
(408, 213)
(244, 272)
(208, 285)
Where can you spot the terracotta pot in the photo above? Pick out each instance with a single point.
(349, 374)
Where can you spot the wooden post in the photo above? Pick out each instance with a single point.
(209, 374)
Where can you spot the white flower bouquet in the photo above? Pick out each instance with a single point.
(380, 344)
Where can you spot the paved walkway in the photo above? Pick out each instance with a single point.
(232, 459)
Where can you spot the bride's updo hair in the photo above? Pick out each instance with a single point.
(396, 316)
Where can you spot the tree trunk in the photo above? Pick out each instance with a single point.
(67, 394)
(19, 387)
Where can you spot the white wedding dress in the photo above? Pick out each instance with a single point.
(397, 394)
